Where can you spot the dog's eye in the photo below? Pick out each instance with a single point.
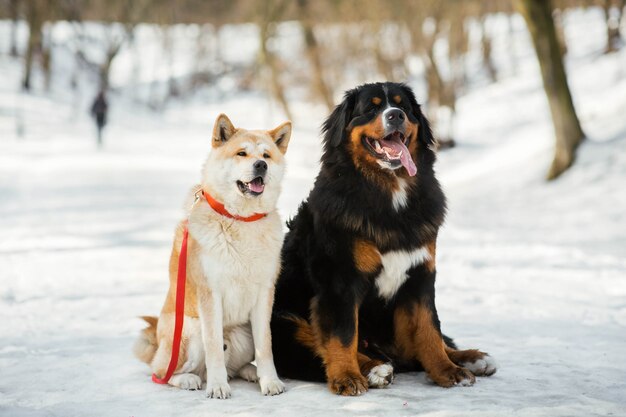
(241, 153)
(266, 155)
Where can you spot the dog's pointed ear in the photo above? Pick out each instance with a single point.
(424, 133)
(281, 135)
(335, 127)
(222, 131)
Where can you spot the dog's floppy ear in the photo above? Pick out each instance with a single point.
(222, 131)
(281, 135)
(335, 126)
(425, 133)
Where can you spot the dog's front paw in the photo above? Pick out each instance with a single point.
(349, 384)
(218, 389)
(380, 376)
(453, 375)
(271, 386)
(485, 366)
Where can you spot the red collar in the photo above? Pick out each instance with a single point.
(219, 207)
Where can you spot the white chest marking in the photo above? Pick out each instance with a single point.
(395, 267)
(400, 196)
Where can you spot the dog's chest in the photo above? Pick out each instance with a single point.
(241, 256)
(238, 260)
(395, 266)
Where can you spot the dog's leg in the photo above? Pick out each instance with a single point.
(479, 363)
(260, 321)
(378, 373)
(335, 323)
(417, 337)
(212, 326)
(417, 329)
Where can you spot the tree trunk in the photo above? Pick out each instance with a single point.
(313, 52)
(270, 14)
(105, 68)
(46, 56)
(34, 15)
(613, 38)
(622, 15)
(14, 14)
(559, 25)
(569, 134)
(486, 50)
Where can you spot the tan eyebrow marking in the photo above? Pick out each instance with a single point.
(377, 100)
(397, 99)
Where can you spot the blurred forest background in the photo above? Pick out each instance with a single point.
(315, 49)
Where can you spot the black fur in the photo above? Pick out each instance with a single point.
(317, 259)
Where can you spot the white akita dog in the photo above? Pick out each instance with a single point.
(233, 260)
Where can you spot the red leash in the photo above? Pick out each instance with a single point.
(180, 285)
(180, 310)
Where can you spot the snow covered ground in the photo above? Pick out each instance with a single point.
(532, 272)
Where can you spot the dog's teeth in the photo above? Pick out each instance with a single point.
(377, 145)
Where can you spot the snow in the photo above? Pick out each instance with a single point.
(532, 272)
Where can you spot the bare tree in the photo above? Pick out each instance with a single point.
(272, 10)
(486, 48)
(313, 52)
(14, 14)
(35, 17)
(569, 134)
(613, 37)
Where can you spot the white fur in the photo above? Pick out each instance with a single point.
(248, 372)
(465, 382)
(186, 381)
(385, 112)
(485, 366)
(395, 267)
(379, 376)
(400, 196)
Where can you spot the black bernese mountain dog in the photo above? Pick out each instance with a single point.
(356, 296)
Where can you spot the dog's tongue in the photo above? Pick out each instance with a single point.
(256, 185)
(398, 146)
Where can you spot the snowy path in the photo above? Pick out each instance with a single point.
(84, 249)
(533, 273)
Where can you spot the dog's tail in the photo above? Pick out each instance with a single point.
(146, 345)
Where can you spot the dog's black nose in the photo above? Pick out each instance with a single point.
(394, 117)
(260, 167)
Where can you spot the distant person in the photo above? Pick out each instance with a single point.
(99, 110)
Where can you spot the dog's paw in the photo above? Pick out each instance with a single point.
(485, 366)
(349, 384)
(380, 376)
(248, 372)
(217, 389)
(271, 386)
(453, 375)
(186, 381)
